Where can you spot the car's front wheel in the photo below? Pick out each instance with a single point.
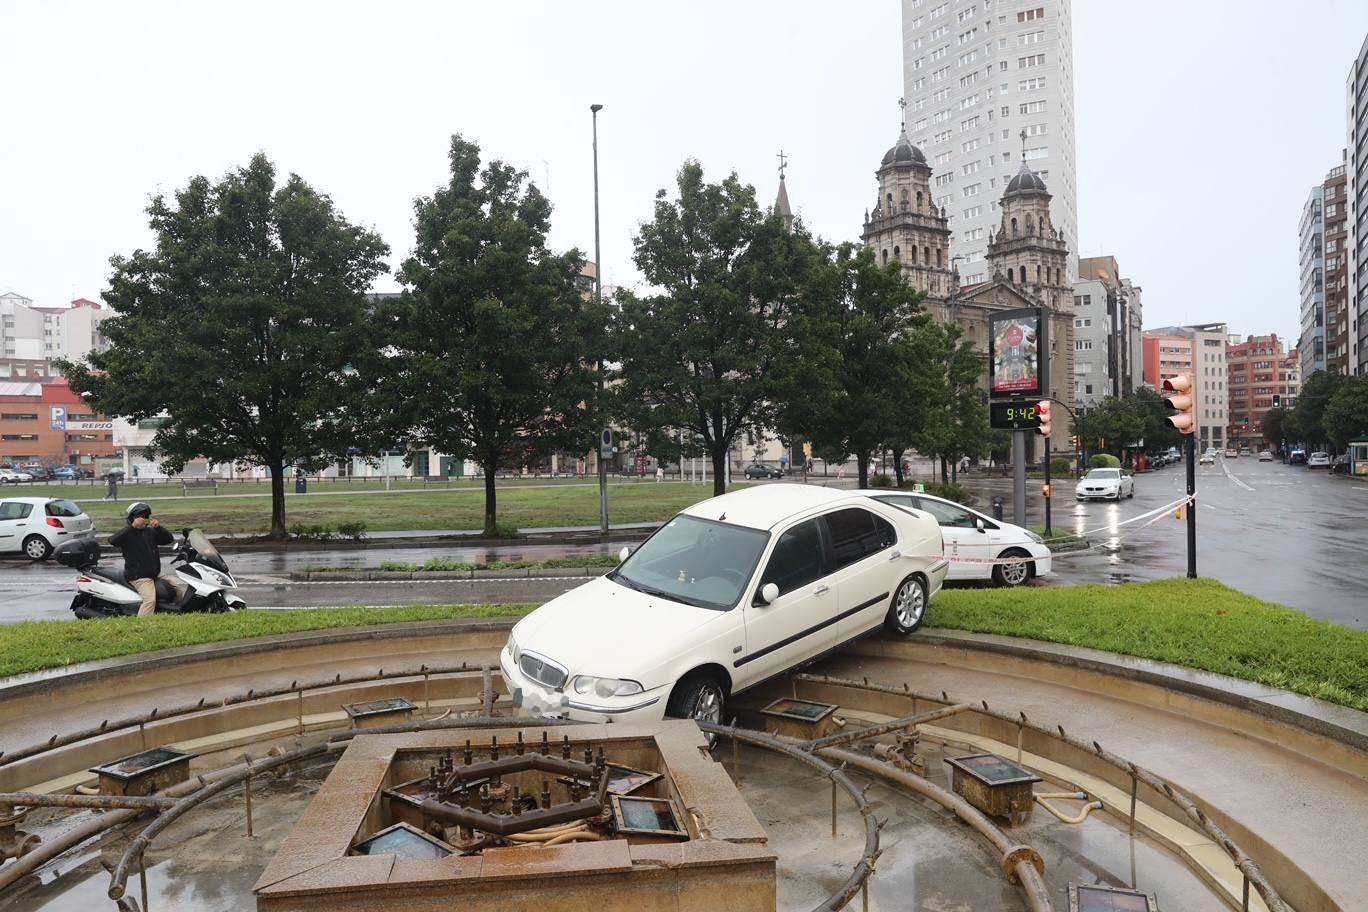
(698, 695)
(908, 609)
(37, 548)
(1015, 573)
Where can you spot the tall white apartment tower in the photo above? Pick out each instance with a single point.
(976, 74)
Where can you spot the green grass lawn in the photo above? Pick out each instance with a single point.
(36, 645)
(94, 489)
(1198, 623)
(523, 505)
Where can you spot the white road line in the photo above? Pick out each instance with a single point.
(1225, 468)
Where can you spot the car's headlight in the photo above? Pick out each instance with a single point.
(513, 649)
(605, 687)
(1035, 538)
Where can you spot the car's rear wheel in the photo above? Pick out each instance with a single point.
(37, 548)
(908, 608)
(1015, 573)
(699, 696)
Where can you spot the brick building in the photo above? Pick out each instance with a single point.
(1259, 369)
(48, 423)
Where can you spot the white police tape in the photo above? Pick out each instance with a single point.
(1153, 516)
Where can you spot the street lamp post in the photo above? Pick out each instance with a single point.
(598, 302)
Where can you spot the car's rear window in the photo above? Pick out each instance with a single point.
(62, 508)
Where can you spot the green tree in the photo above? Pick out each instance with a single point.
(947, 373)
(1149, 410)
(1111, 425)
(1309, 413)
(869, 326)
(241, 327)
(1276, 425)
(726, 339)
(489, 352)
(1346, 416)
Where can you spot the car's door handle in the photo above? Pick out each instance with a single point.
(895, 555)
(822, 590)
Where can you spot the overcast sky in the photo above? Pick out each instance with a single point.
(1201, 125)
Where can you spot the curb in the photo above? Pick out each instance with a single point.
(360, 576)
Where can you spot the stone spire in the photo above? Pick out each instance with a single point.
(781, 202)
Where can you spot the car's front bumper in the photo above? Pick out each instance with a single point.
(535, 699)
(1107, 494)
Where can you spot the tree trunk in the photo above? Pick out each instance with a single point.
(862, 469)
(954, 472)
(945, 471)
(490, 523)
(277, 501)
(719, 461)
(897, 467)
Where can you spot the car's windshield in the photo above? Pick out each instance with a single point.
(695, 561)
(1103, 474)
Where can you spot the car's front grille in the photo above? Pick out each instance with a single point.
(542, 670)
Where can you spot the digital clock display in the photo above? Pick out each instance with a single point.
(1014, 416)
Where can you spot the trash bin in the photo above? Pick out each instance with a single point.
(301, 485)
(997, 508)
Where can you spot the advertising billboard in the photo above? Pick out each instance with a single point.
(1015, 344)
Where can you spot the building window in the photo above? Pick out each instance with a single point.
(1031, 15)
(1033, 60)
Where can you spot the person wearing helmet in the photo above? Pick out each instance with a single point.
(142, 562)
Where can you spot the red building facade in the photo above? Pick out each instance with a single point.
(48, 423)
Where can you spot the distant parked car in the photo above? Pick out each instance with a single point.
(13, 476)
(1231, 453)
(37, 470)
(68, 473)
(1207, 458)
(1318, 461)
(1296, 457)
(759, 470)
(1265, 455)
(1246, 451)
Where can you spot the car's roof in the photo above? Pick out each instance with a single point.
(765, 506)
(32, 500)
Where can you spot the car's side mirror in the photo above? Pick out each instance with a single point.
(625, 553)
(768, 593)
(978, 524)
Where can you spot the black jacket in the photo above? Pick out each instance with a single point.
(139, 546)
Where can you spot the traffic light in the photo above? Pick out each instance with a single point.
(1043, 410)
(1180, 403)
(1277, 401)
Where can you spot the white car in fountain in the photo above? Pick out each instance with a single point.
(974, 542)
(729, 593)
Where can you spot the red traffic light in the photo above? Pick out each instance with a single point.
(1043, 412)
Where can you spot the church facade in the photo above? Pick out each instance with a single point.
(1027, 259)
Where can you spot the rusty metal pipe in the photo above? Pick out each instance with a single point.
(1021, 864)
(119, 877)
(1242, 861)
(98, 802)
(884, 728)
(865, 866)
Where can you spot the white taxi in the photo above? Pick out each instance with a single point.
(729, 593)
(978, 546)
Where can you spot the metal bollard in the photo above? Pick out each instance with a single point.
(997, 508)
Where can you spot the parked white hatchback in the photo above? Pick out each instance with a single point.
(729, 593)
(34, 526)
(1108, 484)
(975, 542)
(14, 476)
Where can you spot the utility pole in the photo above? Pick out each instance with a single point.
(598, 301)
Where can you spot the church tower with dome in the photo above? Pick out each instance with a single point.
(906, 227)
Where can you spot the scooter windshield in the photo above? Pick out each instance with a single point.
(208, 554)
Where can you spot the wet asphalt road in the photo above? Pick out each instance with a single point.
(1284, 533)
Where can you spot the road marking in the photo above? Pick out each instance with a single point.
(1225, 468)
